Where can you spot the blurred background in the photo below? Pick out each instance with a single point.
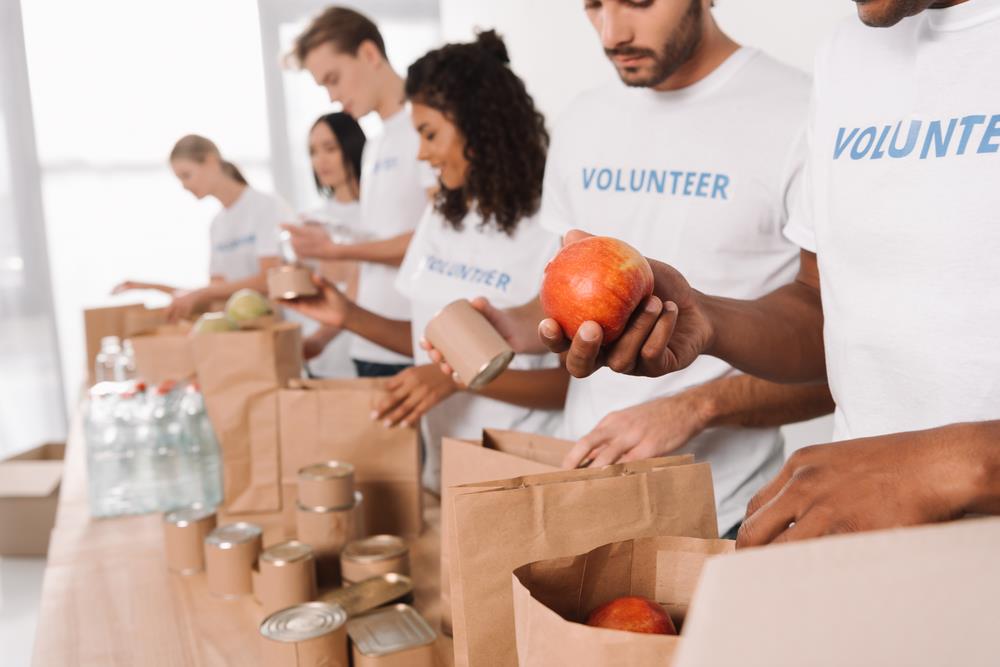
(94, 94)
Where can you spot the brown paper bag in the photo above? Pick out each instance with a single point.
(502, 525)
(920, 597)
(101, 322)
(240, 373)
(324, 420)
(143, 321)
(552, 599)
(498, 455)
(164, 353)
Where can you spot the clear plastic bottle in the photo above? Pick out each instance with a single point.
(125, 366)
(108, 359)
(99, 434)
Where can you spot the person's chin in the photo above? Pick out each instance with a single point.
(883, 13)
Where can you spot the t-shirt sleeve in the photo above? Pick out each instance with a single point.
(415, 254)
(554, 214)
(798, 195)
(269, 216)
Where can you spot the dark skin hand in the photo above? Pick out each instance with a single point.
(901, 479)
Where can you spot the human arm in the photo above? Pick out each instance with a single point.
(187, 304)
(886, 481)
(128, 285)
(663, 425)
(312, 242)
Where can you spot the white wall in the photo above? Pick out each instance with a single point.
(554, 49)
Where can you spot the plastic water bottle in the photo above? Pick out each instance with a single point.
(203, 446)
(125, 366)
(107, 361)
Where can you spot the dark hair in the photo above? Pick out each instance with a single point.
(351, 138)
(505, 136)
(197, 148)
(345, 28)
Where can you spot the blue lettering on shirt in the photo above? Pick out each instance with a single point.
(920, 138)
(385, 164)
(498, 280)
(704, 184)
(233, 244)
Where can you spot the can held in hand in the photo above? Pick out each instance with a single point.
(184, 533)
(313, 634)
(230, 554)
(469, 343)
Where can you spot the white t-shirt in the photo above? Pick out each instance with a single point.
(700, 178)
(906, 226)
(245, 232)
(335, 360)
(444, 264)
(393, 197)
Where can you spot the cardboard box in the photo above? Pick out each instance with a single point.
(29, 493)
(553, 598)
(924, 596)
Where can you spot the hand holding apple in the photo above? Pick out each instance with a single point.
(632, 614)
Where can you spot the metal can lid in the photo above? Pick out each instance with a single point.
(375, 548)
(185, 516)
(327, 470)
(303, 621)
(491, 369)
(370, 593)
(357, 501)
(390, 630)
(286, 552)
(231, 534)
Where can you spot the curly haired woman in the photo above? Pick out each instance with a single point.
(480, 130)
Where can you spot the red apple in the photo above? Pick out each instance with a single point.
(632, 614)
(597, 278)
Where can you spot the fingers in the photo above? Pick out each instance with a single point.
(771, 520)
(585, 350)
(581, 451)
(574, 235)
(607, 455)
(551, 335)
(655, 357)
(772, 488)
(623, 354)
(405, 409)
(387, 403)
(813, 524)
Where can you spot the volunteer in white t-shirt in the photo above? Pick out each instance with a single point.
(243, 235)
(336, 142)
(345, 53)
(692, 159)
(897, 298)
(480, 130)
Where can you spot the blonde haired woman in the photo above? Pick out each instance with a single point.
(244, 234)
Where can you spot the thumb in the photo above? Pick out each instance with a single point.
(574, 235)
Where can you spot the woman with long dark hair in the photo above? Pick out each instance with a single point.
(481, 132)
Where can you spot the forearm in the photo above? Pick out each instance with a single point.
(970, 472)
(224, 290)
(384, 251)
(778, 337)
(392, 334)
(543, 389)
(747, 401)
(159, 287)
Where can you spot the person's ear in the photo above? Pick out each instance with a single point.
(369, 53)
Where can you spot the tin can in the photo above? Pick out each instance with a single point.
(290, 282)
(371, 593)
(328, 484)
(313, 634)
(469, 343)
(184, 533)
(327, 531)
(395, 636)
(371, 556)
(230, 553)
(286, 576)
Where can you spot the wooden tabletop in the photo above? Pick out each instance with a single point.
(108, 599)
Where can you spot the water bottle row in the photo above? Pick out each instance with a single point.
(149, 449)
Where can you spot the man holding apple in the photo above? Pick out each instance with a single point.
(692, 159)
(897, 297)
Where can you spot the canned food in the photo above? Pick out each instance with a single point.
(469, 343)
(372, 593)
(286, 576)
(290, 282)
(313, 634)
(327, 531)
(329, 484)
(395, 636)
(184, 532)
(371, 556)
(230, 553)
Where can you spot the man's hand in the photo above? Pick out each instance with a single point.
(650, 429)
(882, 482)
(312, 242)
(666, 333)
(330, 307)
(186, 304)
(516, 325)
(411, 393)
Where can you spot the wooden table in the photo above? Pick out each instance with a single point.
(108, 599)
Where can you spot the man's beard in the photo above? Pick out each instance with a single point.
(679, 49)
(896, 12)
